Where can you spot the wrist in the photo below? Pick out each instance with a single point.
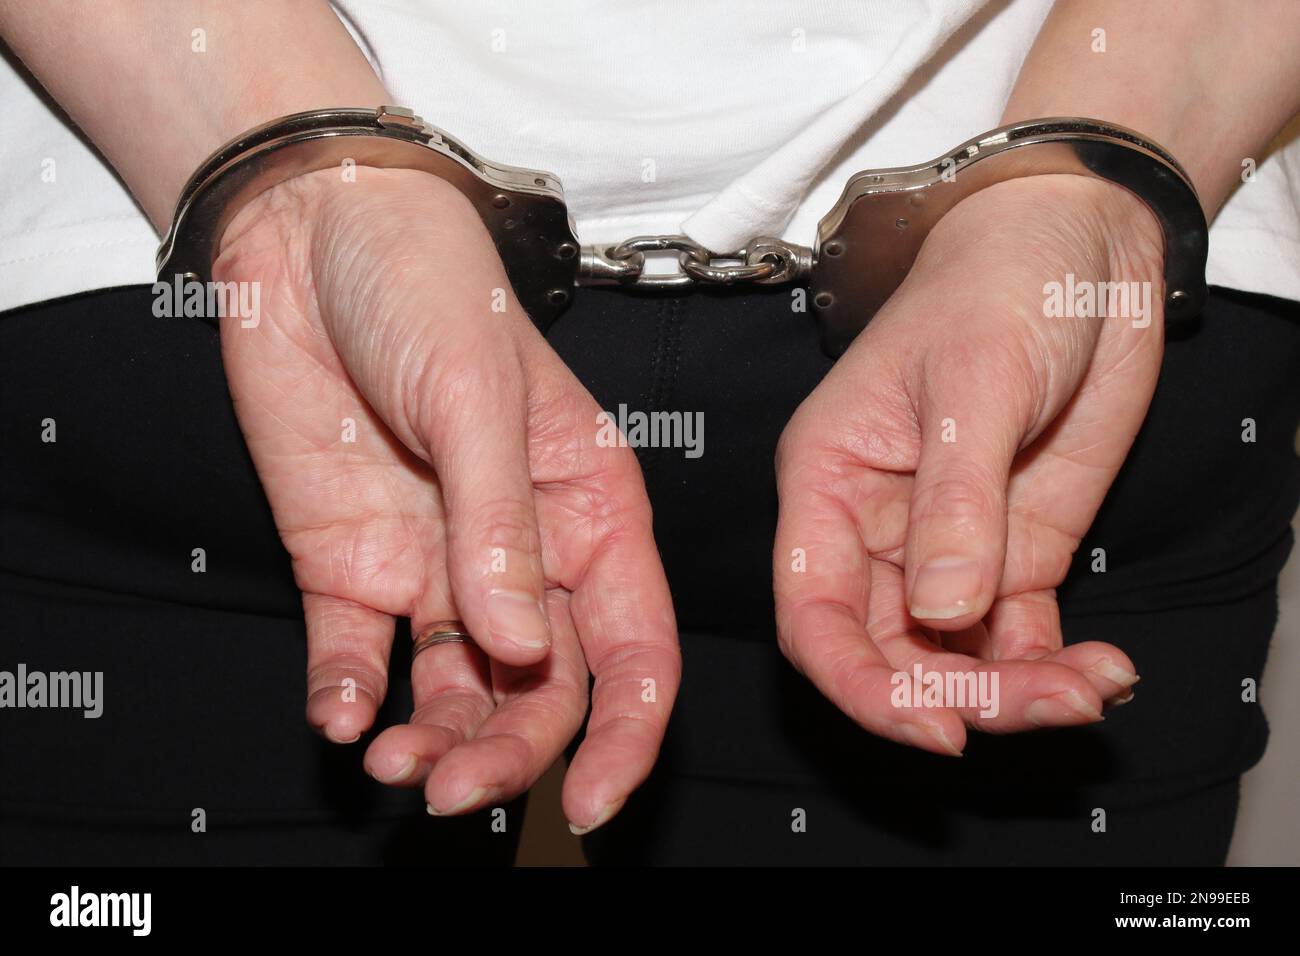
(346, 203)
(1116, 220)
(1104, 221)
(493, 198)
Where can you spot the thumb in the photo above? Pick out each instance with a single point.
(477, 442)
(972, 421)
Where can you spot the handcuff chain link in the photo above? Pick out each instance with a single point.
(762, 261)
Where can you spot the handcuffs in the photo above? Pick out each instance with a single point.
(863, 250)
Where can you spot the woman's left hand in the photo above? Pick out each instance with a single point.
(936, 484)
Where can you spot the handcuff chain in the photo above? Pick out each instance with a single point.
(762, 261)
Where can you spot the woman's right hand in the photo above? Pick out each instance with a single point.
(428, 457)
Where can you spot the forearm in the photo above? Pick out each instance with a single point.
(156, 98)
(1211, 81)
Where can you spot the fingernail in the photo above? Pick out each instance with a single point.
(921, 736)
(1065, 707)
(601, 819)
(1113, 672)
(403, 774)
(1119, 701)
(339, 740)
(945, 588)
(517, 617)
(476, 796)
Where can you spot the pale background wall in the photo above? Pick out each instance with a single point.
(1268, 825)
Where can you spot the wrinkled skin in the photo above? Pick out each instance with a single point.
(966, 433)
(474, 489)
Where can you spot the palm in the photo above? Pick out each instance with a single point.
(1057, 480)
(360, 515)
(967, 432)
(402, 431)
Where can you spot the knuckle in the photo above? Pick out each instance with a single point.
(957, 499)
(503, 522)
(336, 671)
(460, 389)
(1002, 371)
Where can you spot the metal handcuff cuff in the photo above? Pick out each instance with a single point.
(863, 250)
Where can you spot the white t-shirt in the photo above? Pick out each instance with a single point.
(719, 120)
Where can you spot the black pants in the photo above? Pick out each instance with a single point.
(203, 673)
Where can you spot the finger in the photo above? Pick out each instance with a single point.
(347, 665)
(971, 422)
(541, 709)
(972, 641)
(450, 685)
(1003, 697)
(1024, 626)
(450, 682)
(479, 451)
(1110, 671)
(452, 696)
(823, 587)
(629, 636)
(994, 697)
(1028, 627)
(600, 546)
